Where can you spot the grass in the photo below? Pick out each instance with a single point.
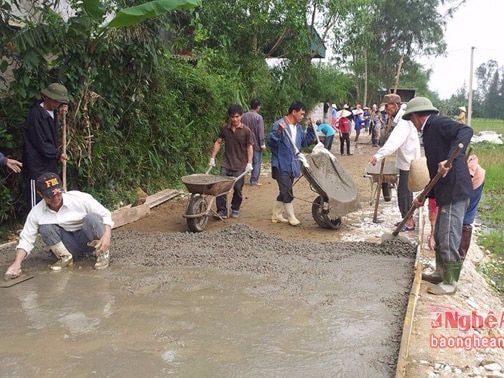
(491, 208)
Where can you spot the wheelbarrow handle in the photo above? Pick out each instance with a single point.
(428, 188)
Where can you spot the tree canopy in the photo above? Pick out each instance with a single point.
(150, 81)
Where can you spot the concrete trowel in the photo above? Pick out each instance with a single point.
(14, 281)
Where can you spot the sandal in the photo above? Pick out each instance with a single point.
(407, 228)
(10, 275)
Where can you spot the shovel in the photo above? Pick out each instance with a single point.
(422, 195)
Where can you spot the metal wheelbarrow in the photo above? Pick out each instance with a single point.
(204, 189)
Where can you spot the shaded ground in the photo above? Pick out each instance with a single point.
(244, 298)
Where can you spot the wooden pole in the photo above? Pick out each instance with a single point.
(470, 97)
(63, 152)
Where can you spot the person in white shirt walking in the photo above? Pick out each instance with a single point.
(71, 223)
(405, 141)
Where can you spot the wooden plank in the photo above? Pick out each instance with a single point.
(128, 214)
(162, 196)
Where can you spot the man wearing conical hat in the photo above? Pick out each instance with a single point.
(41, 151)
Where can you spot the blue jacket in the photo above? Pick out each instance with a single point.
(440, 136)
(283, 154)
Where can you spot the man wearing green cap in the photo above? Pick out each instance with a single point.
(41, 151)
(441, 135)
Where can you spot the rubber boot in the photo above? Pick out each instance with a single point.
(277, 216)
(64, 257)
(450, 279)
(465, 242)
(437, 276)
(291, 217)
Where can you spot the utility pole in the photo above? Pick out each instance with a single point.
(469, 99)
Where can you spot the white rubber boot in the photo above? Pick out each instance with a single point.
(277, 216)
(64, 257)
(291, 217)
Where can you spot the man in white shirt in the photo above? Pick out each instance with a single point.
(404, 140)
(70, 223)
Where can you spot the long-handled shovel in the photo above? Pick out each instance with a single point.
(422, 195)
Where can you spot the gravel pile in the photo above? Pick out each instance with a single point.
(240, 248)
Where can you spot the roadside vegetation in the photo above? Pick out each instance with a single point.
(491, 208)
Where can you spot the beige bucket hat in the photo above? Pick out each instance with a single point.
(417, 105)
(418, 176)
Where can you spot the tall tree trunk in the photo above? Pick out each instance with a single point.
(399, 66)
(364, 102)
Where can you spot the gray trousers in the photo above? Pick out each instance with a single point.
(76, 241)
(448, 230)
(404, 196)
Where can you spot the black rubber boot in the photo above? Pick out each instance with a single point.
(465, 242)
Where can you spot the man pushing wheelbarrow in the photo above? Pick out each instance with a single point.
(237, 158)
(236, 162)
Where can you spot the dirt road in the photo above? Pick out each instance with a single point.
(244, 298)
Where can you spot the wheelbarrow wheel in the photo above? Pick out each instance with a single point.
(197, 205)
(322, 217)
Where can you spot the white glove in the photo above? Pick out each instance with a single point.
(249, 168)
(302, 159)
(211, 162)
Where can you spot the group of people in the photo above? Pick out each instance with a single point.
(405, 127)
(244, 141)
(74, 223)
(71, 223)
(350, 119)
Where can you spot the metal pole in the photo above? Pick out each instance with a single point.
(469, 99)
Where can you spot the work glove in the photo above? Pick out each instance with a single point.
(249, 168)
(211, 162)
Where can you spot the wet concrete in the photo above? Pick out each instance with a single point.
(236, 302)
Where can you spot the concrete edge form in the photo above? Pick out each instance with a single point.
(409, 318)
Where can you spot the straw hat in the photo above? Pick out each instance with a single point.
(391, 98)
(418, 176)
(345, 113)
(462, 109)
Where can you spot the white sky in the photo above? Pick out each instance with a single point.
(477, 23)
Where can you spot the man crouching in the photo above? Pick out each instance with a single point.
(70, 223)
